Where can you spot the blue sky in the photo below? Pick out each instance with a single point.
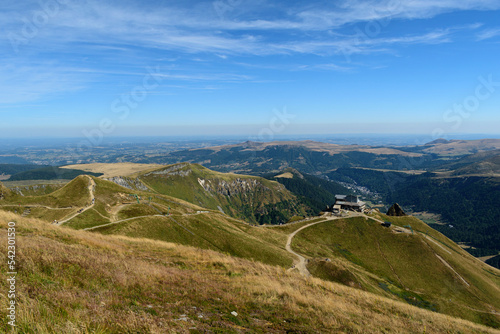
(136, 68)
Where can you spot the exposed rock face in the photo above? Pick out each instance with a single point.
(18, 191)
(228, 188)
(128, 183)
(395, 210)
(173, 170)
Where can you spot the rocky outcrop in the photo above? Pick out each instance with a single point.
(395, 210)
(173, 170)
(230, 188)
(33, 188)
(128, 183)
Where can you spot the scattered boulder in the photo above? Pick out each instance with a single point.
(395, 210)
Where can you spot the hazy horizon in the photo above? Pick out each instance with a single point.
(213, 140)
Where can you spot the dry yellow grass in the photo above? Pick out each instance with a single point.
(286, 175)
(115, 169)
(460, 147)
(411, 172)
(78, 282)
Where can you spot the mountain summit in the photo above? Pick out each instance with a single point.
(395, 210)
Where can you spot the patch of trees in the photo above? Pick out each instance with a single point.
(494, 261)
(11, 169)
(469, 204)
(313, 192)
(50, 173)
(275, 213)
(381, 182)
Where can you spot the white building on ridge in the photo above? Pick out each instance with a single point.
(348, 202)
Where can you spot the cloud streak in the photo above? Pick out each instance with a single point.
(355, 11)
(82, 40)
(488, 34)
(172, 28)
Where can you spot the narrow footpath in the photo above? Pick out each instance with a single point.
(300, 262)
(91, 189)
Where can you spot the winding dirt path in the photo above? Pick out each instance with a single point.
(434, 242)
(119, 221)
(452, 269)
(91, 189)
(146, 216)
(300, 262)
(36, 206)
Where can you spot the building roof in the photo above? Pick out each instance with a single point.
(349, 198)
(360, 203)
(352, 198)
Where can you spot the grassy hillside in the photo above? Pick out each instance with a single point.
(482, 163)
(424, 269)
(408, 266)
(208, 231)
(461, 147)
(156, 216)
(114, 203)
(252, 198)
(4, 192)
(79, 282)
(489, 166)
(72, 194)
(34, 188)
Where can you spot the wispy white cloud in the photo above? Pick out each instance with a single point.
(29, 83)
(356, 45)
(22, 82)
(355, 11)
(94, 38)
(323, 67)
(123, 27)
(488, 33)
